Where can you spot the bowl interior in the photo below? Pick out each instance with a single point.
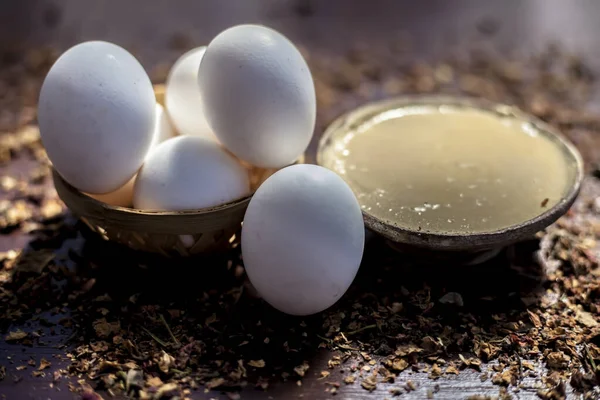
(468, 241)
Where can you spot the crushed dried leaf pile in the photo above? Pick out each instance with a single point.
(152, 328)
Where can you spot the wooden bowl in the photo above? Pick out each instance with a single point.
(181, 233)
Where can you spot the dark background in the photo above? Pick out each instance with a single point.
(158, 32)
(149, 27)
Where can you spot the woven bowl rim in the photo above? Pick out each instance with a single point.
(194, 221)
(80, 196)
(165, 222)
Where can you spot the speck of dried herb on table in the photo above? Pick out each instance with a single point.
(150, 328)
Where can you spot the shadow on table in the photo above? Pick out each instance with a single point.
(204, 313)
(509, 281)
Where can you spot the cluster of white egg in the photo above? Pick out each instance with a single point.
(247, 97)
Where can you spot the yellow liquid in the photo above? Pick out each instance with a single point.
(450, 170)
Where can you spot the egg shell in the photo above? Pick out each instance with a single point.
(302, 239)
(182, 95)
(96, 115)
(258, 95)
(187, 173)
(123, 197)
(162, 127)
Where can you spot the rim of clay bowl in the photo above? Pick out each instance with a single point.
(457, 241)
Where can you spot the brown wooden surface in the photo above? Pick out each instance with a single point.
(148, 26)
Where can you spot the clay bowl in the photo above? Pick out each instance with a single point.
(464, 248)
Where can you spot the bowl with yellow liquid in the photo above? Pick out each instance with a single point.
(452, 174)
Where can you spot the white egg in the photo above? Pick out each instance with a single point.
(302, 239)
(182, 95)
(189, 172)
(162, 127)
(123, 196)
(258, 95)
(96, 114)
